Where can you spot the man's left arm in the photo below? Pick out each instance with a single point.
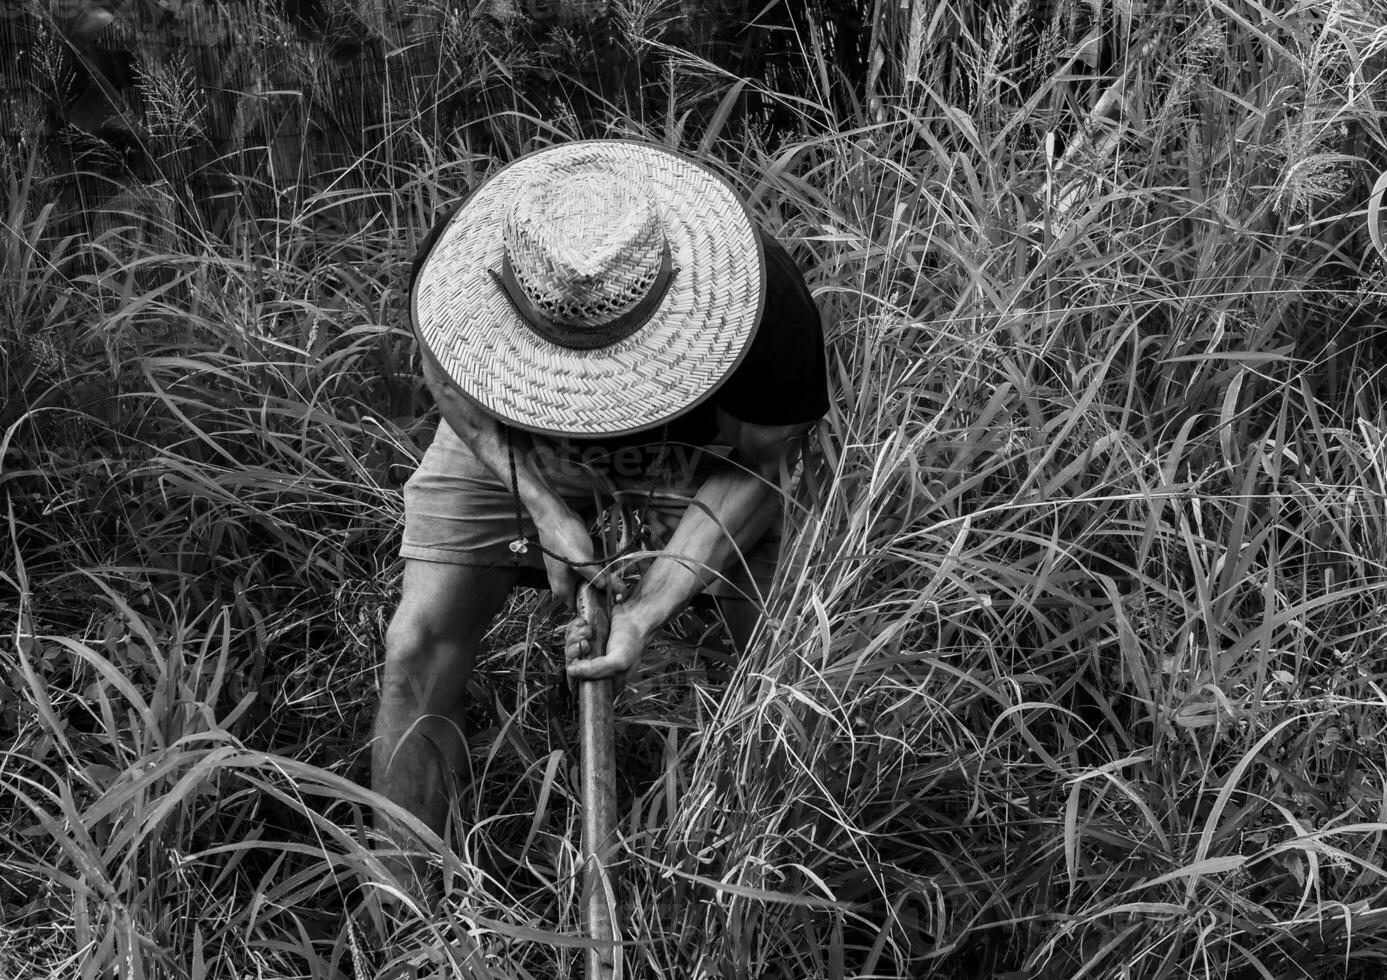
(731, 510)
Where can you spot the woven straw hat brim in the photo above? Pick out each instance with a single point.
(696, 337)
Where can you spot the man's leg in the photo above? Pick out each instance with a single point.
(740, 616)
(748, 584)
(430, 648)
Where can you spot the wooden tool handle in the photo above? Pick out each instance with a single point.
(598, 747)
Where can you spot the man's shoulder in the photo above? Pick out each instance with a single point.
(776, 253)
(787, 291)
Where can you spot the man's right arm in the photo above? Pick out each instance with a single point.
(560, 530)
(486, 437)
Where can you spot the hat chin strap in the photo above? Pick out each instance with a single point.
(587, 338)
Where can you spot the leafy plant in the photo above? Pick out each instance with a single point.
(1072, 666)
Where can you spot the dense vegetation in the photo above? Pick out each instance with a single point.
(1075, 664)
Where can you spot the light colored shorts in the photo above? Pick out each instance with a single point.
(460, 513)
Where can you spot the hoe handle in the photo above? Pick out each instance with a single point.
(599, 797)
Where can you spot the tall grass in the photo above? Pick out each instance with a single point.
(1073, 666)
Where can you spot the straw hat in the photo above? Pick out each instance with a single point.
(593, 288)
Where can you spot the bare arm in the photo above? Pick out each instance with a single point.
(559, 529)
(732, 509)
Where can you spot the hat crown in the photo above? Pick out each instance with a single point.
(585, 245)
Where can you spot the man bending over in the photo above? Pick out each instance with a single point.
(601, 315)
